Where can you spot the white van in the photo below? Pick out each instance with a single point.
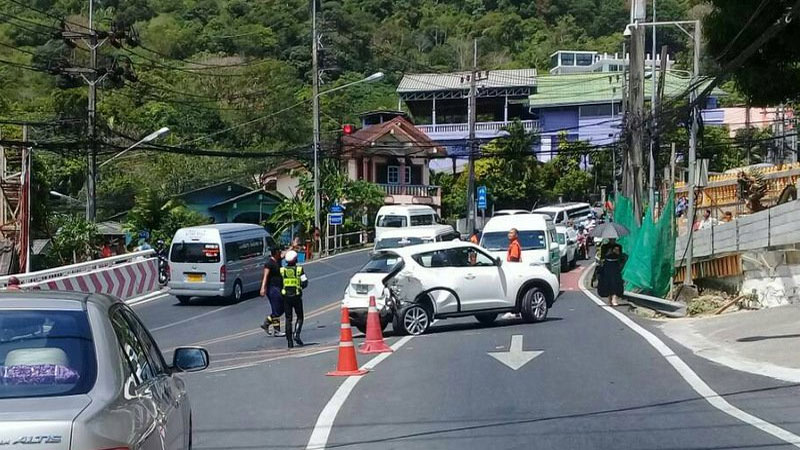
(563, 212)
(537, 237)
(224, 260)
(403, 237)
(402, 216)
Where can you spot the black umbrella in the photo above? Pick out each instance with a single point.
(610, 230)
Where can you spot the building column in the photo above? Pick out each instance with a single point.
(505, 109)
(546, 149)
(433, 112)
(402, 178)
(365, 168)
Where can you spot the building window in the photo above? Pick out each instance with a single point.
(583, 59)
(567, 59)
(554, 61)
(600, 110)
(393, 175)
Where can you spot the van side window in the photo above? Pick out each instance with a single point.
(246, 249)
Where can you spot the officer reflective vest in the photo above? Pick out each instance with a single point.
(292, 284)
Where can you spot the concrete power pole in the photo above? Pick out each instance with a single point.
(471, 141)
(635, 177)
(651, 200)
(687, 279)
(315, 109)
(91, 179)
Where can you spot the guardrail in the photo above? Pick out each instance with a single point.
(665, 307)
(337, 243)
(79, 268)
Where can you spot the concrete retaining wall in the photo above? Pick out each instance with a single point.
(774, 276)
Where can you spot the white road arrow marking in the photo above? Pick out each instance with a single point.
(515, 357)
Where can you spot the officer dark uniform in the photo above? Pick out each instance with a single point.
(294, 280)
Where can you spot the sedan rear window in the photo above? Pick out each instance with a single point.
(194, 252)
(528, 240)
(381, 263)
(45, 353)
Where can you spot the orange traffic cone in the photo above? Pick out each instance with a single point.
(347, 364)
(374, 342)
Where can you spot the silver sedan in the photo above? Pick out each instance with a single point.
(80, 371)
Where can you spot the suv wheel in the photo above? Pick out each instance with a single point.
(534, 305)
(414, 320)
(486, 318)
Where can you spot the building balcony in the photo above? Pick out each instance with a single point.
(459, 131)
(413, 194)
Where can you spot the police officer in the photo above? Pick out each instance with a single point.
(294, 280)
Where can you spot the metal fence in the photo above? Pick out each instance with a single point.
(337, 243)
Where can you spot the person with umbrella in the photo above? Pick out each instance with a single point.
(612, 259)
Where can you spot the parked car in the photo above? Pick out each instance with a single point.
(537, 237)
(454, 279)
(402, 216)
(510, 212)
(224, 260)
(81, 371)
(568, 247)
(563, 212)
(402, 237)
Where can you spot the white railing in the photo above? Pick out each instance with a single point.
(416, 190)
(529, 125)
(73, 269)
(340, 242)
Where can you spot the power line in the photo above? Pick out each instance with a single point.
(60, 19)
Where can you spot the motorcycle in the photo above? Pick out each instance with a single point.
(583, 244)
(163, 266)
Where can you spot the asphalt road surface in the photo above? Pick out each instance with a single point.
(584, 378)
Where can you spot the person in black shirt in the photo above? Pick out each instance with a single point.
(271, 285)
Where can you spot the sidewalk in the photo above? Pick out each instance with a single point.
(764, 342)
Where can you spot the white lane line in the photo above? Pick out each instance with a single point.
(691, 377)
(322, 429)
(189, 319)
(150, 299)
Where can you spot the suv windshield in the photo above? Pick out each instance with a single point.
(392, 221)
(45, 353)
(381, 263)
(528, 240)
(399, 242)
(193, 252)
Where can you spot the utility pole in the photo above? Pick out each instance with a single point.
(636, 123)
(315, 109)
(91, 179)
(652, 175)
(687, 279)
(471, 141)
(25, 232)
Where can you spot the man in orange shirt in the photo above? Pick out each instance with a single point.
(514, 249)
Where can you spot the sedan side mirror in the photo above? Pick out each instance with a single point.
(498, 261)
(190, 359)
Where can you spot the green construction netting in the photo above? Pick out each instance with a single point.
(650, 248)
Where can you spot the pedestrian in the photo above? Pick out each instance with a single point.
(727, 217)
(474, 237)
(105, 252)
(707, 221)
(271, 285)
(13, 284)
(610, 282)
(294, 281)
(514, 249)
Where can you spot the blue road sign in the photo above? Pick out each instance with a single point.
(336, 209)
(481, 197)
(335, 218)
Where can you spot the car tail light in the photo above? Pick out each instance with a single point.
(167, 271)
(223, 273)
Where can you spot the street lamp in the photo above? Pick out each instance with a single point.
(149, 138)
(315, 119)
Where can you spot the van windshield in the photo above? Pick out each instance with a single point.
(392, 221)
(194, 252)
(528, 240)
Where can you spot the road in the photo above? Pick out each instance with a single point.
(597, 383)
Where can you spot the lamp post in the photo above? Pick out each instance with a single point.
(149, 138)
(372, 78)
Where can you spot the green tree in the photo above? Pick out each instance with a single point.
(74, 240)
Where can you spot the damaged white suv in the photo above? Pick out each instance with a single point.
(455, 279)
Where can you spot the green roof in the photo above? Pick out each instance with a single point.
(595, 87)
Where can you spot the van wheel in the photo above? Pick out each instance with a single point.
(236, 297)
(534, 305)
(184, 299)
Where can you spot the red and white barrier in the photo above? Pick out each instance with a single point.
(124, 281)
(124, 276)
